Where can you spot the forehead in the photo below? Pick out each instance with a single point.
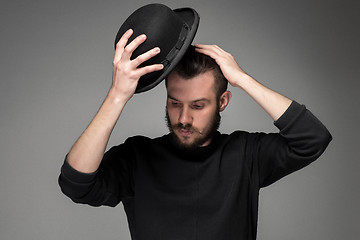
(200, 86)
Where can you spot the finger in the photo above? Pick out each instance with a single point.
(120, 45)
(208, 50)
(215, 52)
(129, 49)
(205, 46)
(146, 56)
(148, 69)
(219, 49)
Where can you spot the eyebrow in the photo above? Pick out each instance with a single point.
(197, 100)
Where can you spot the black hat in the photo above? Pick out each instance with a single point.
(171, 30)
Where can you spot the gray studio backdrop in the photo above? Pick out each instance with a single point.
(55, 70)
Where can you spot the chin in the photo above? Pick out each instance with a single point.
(188, 143)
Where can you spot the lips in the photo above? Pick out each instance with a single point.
(185, 132)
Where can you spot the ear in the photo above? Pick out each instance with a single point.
(224, 100)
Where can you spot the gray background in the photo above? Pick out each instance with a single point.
(55, 70)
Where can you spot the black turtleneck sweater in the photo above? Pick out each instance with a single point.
(210, 193)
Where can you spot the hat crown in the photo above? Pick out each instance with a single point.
(161, 25)
(164, 28)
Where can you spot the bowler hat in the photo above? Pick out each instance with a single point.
(171, 30)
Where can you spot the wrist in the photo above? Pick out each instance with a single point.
(117, 98)
(243, 80)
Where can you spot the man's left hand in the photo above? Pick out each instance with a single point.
(229, 67)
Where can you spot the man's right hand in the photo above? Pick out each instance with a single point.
(126, 73)
(87, 152)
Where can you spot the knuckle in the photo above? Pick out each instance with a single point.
(140, 59)
(132, 75)
(118, 67)
(144, 70)
(126, 71)
(115, 63)
(127, 49)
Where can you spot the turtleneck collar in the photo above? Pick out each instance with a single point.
(197, 153)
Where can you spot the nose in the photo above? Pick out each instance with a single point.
(185, 117)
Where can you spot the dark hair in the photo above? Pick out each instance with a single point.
(194, 63)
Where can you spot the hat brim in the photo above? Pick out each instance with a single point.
(192, 19)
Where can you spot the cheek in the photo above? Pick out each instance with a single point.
(172, 113)
(203, 118)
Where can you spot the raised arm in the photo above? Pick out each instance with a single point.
(272, 102)
(87, 152)
(302, 137)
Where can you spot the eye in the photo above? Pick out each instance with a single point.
(175, 104)
(198, 106)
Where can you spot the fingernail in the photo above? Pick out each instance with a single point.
(157, 49)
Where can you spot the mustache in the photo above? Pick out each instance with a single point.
(187, 127)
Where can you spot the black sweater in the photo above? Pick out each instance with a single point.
(208, 194)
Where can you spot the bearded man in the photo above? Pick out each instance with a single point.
(193, 183)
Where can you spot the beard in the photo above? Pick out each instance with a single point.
(203, 136)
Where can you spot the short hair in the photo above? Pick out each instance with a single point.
(193, 63)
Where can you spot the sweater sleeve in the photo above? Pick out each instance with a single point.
(109, 185)
(301, 140)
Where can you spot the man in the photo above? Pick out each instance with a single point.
(193, 183)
